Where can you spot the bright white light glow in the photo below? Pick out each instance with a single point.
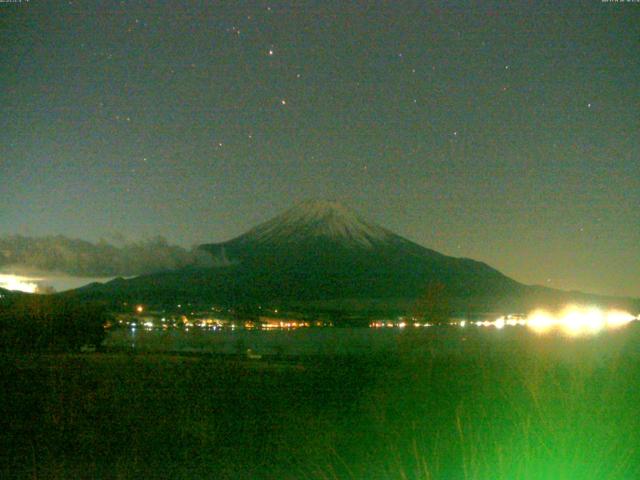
(618, 318)
(540, 321)
(576, 320)
(572, 321)
(19, 283)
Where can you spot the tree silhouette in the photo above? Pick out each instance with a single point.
(433, 305)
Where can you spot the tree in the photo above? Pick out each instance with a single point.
(50, 323)
(433, 305)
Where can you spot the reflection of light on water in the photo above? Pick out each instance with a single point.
(572, 321)
(18, 283)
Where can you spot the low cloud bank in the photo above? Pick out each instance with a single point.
(85, 259)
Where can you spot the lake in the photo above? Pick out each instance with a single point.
(434, 341)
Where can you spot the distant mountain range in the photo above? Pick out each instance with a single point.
(321, 255)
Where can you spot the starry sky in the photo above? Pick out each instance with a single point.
(507, 132)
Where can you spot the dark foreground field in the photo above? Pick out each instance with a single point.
(547, 408)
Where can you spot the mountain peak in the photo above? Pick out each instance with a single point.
(321, 207)
(314, 219)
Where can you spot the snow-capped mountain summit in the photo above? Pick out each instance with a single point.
(314, 220)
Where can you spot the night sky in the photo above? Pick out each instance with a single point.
(507, 132)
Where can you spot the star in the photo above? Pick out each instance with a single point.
(271, 52)
(283, 101)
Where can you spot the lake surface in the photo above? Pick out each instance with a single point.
(434, 341)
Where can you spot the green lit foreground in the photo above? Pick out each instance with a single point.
(535, 408)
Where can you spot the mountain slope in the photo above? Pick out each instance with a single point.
(322, 252)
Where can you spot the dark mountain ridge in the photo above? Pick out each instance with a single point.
(321, 252)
